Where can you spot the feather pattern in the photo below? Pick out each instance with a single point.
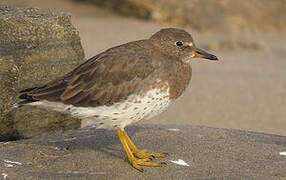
(104, 79)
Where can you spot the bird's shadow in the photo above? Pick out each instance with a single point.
(88, 138)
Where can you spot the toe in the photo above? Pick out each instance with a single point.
(143, 154)
(153, 164)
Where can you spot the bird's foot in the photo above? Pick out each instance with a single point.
(137, 163)
(144, 154)
(136, 157)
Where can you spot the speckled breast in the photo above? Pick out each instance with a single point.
(121, 114)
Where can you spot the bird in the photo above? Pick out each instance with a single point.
(123, 85)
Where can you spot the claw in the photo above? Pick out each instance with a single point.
(137, 167)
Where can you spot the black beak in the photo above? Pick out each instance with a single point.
(199, 53)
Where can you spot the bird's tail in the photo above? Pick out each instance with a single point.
(26, 99)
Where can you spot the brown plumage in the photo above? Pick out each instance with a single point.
(111, 75)
(144, 75)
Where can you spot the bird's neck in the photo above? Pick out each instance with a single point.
(178, 77)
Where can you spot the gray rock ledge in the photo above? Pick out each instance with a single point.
(211, 153)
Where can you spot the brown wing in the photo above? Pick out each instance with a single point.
(104, 79)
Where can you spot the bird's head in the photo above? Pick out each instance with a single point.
(179, 43)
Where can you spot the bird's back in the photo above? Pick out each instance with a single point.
(104, 79)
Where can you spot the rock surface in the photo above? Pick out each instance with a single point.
(207, 15)
(97, 154)
(35, 47)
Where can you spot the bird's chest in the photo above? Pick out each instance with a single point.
(178, 75)
(133, 109)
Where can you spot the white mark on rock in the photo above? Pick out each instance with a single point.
(16, 105)
(173, 129)
(8, 165)
(180, 162)
(5, 142)
(4, 176)
(12, 162)
(283, 153)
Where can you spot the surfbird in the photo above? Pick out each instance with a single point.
(123, 85)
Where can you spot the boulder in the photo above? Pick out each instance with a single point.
(194, 153)
(35, 47)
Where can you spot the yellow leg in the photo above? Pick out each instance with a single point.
(135, 162)
(141, 154)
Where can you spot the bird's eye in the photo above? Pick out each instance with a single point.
(179, 43)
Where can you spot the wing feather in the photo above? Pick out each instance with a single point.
(104, 79)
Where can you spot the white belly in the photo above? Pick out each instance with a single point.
(118, 115)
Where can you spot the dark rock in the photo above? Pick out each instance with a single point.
(211, 153)
(35, 47)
